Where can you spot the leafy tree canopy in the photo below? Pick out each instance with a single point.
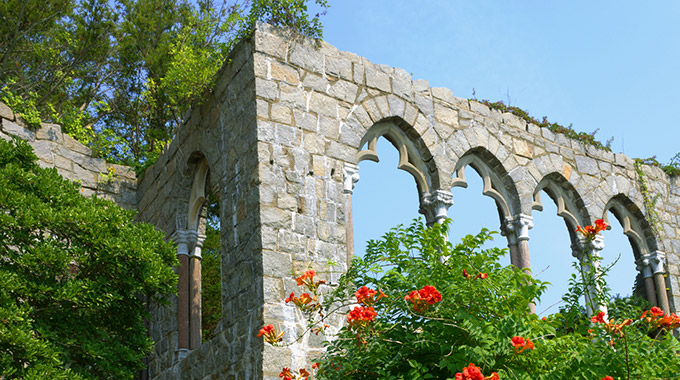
(119, 75)
(73, 271)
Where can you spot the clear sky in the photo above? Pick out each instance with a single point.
(612, 66)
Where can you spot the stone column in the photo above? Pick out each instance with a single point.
(350, 176)
(195, 293)
(584, 250)
(183, 238)
(653, 270)
(516, 230)
(644, 266)
(434, 206)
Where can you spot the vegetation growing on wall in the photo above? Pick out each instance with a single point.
(672, 168)
(73, 275)
(586, 138)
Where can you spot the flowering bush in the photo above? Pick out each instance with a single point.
(480, 321)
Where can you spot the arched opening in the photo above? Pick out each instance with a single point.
(211, 268)
(379, 209)
(198, 235)
(472, 211)
(551, 255)
(554, 252)
(470, 214)
(648, 267)
(376, 207)
(619, 255)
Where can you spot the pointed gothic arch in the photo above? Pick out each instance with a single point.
(497, 183)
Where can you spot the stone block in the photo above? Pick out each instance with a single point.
(339, 67)
(586, 165)
(14, 129)
(421, 85)
(266, 89)
(523, 149)
(343, 90)
(315, 82)
(284, 73)
(479, 108)
(396, 106)
(401, 84)
(6, 112)
(281, 114)
(445, 114)
(323, 105)
(377, 78)
(372, 110)
(306, 57)
(306, 121)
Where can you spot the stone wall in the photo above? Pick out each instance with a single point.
(73, 160)
(282, 133)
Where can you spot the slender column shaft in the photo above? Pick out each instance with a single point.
(349, 229)
(523, 258)
(514, 255)
(649, 291)
(661, 292)
(183, 302)
(195, 302)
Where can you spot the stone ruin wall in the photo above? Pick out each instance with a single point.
(282, 133)
(73, 160)
(285, 127)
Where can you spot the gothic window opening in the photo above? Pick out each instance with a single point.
(376, 207)
(472, 211)
(211, 265)
(199, 270)
(551, 254)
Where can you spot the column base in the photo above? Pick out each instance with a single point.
(180, 354)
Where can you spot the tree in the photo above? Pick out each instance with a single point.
(73, 275)
(120, 75)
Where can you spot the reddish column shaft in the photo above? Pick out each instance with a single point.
(183, 302)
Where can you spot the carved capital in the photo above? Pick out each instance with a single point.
(198, 245)
(523, 223)
(185, 240)
(587, 246)
(652, 263)
(517, 228)
(434, 206)
(350, 176)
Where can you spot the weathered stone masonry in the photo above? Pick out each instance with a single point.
(279, 138)
(73, 160)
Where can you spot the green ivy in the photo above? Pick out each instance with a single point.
(586, 138)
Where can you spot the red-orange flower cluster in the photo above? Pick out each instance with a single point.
(305, 302)
(520, 344)
(658, 319)
(366, 295)
(614, 328)
(591, 231)
(307, 279)
(479, 275)
(360, 316)
(472, 372)
(287, 374)
(423, 298)
(270, 335)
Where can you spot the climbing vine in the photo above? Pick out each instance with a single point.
(648, 200)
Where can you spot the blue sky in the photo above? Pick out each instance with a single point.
(611, 66)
